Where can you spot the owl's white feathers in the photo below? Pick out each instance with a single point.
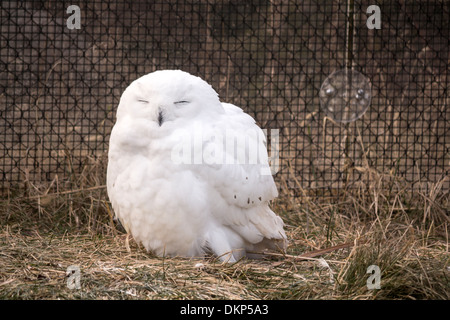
(176, 180)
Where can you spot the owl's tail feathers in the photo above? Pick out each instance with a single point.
(263, 232)
(274, 239)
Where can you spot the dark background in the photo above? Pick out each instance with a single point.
(59, 88)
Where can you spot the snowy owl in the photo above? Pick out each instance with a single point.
(188, 175)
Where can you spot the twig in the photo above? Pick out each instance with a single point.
(312, 254)
(61, 193)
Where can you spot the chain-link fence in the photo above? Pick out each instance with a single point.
(60, 85)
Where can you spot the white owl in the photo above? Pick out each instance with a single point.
(189, 175)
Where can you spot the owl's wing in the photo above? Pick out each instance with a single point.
(244, 178)
(242, 184)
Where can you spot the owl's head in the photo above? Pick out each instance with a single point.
(169, 95)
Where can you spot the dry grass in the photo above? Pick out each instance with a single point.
(45, 230)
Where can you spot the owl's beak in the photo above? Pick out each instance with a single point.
(160, 117)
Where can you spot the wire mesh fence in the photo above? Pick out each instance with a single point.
(60, 85)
